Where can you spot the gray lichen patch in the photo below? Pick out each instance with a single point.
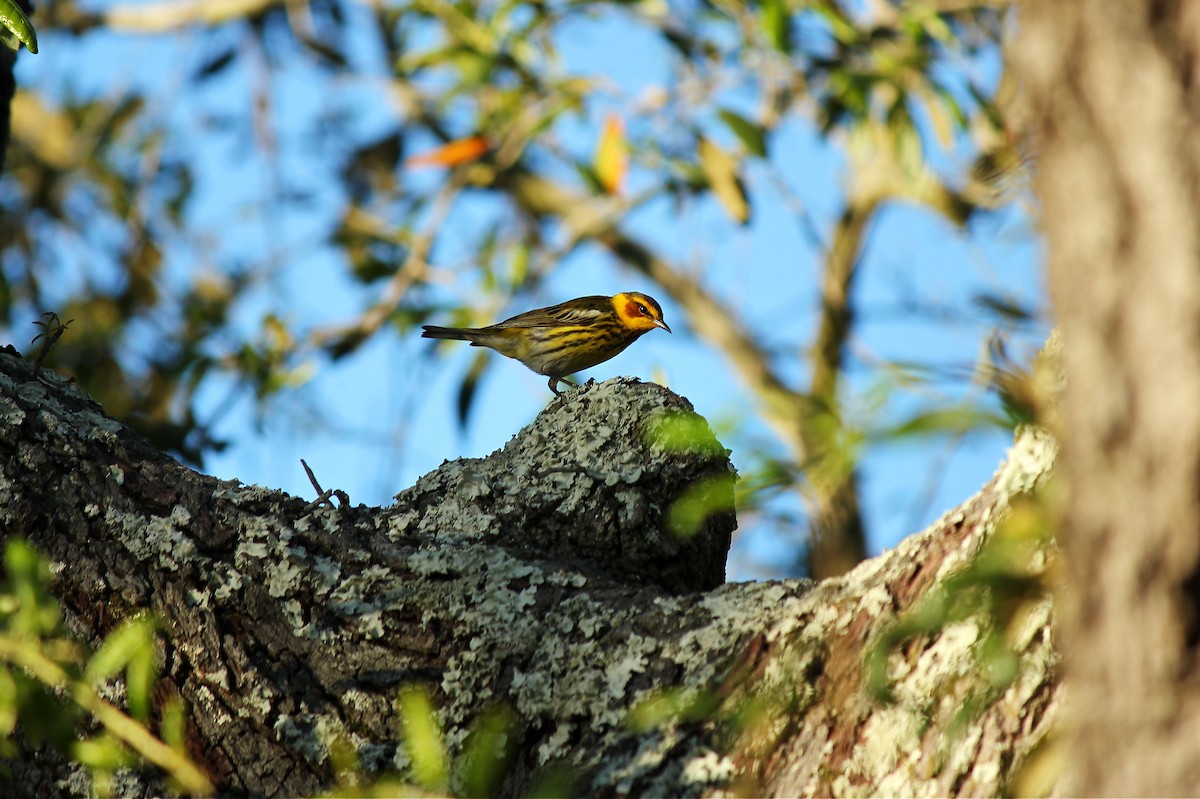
(571, 663)
(584, 480)
(77, 417)
(707, 768)
(890, 750)
(157, 539)
(10, 413)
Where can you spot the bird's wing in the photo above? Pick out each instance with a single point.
(578, 311)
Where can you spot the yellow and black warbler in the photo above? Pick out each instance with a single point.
(565, 338)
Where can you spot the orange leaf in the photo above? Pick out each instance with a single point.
(459, 151)
(612, 160)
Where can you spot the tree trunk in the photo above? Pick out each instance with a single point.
(542, 578)
(837, 539)
(1116, 110)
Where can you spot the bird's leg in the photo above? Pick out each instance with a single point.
(554, 381)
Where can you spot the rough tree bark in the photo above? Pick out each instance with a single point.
(1115, 97)
(541, 576)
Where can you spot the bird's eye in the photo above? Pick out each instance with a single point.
(642, 308)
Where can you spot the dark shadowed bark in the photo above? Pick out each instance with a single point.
(1115, 103)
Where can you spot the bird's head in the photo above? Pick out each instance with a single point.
(639, 312)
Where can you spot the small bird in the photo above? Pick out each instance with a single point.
(565, 338)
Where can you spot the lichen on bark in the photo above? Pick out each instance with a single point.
(544, 577)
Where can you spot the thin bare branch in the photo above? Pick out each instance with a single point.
(176, 14)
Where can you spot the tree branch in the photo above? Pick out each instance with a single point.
(542, 577)
(838, 539)
(169, 15)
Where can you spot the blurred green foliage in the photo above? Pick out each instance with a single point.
(687, 434)
(107, 218)
(52, 687)
(424, 741)
(670, 706)
(1011, 576)
(483, 762)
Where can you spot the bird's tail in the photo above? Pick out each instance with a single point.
(454, 333)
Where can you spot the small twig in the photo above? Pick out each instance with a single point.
(415, 270)
(323, 495)
(52, 330)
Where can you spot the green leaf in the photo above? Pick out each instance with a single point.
(173, 725)
(140, 676)
(14, 21)
(683, 432)
(953, 107)
(933, 24)
(588, 174)
(103, 752)
(750, 133)
(423, 739)
(488, 751)
(556, 780)
(954, 419)
(669, 706)
(519, 258)
(776, 24)
(699, 501)
(10, 41)
(840, 24)
(44, 719)
(721, 170)
(35, 611)
(132, 641)
(9, 703)
(23, 564)
(1009, 309)
(469, 387)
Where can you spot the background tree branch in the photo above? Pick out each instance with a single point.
(122, 168)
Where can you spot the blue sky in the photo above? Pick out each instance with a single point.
(372, 423)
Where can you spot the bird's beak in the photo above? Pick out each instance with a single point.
(662, 324)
